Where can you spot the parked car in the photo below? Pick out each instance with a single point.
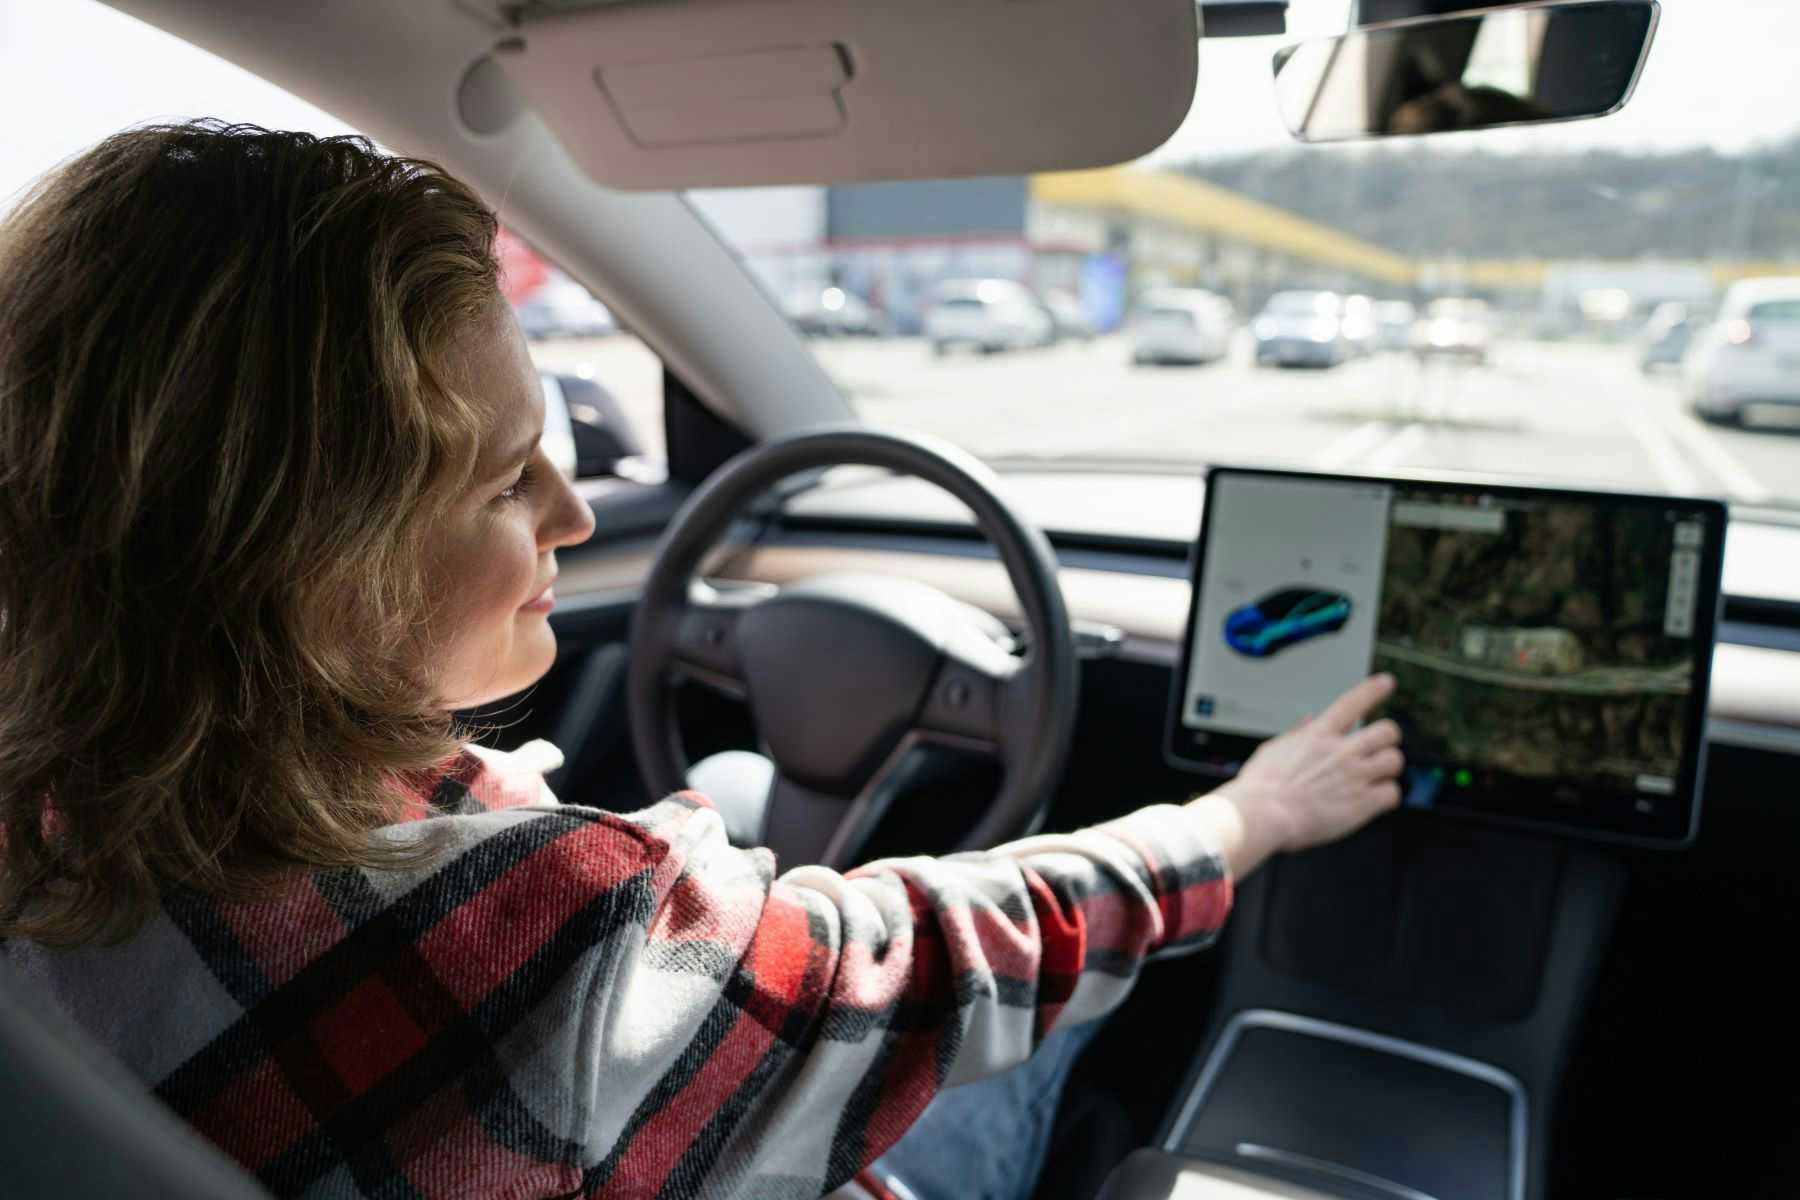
(1181, 325)
(1454, 327)
(1751, 354)
(834, 312)
(1067, 315)
(1302, 329)
(1360, 328)
(1668, 336)
(1394, 320)
(563, 308)
(989, 314)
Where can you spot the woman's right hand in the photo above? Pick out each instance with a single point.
(1316, 783)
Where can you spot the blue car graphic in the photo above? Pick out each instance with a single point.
(1285, 618)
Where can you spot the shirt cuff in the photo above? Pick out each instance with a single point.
(1185, 871)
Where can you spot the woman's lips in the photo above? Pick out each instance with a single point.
(543, 602)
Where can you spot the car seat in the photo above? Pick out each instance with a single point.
(74, 1125)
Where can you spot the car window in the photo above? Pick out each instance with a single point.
(1572, 236)
(573, 335)
(84, 71)
(1771, 311)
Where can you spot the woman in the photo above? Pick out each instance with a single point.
(273, 508)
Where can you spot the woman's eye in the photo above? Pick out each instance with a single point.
(519, 487)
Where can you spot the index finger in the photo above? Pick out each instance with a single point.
(1351, 707)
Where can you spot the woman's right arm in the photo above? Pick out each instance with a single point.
(793, 1027)
(569, 1001)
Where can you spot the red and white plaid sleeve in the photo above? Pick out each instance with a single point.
(847, 1001)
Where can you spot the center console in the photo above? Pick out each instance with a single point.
(1394, 1018)
(1364, 1113)
(1397, 1008)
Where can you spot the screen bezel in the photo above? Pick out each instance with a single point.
(1550, 808)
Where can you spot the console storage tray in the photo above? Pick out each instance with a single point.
(1354, 1113)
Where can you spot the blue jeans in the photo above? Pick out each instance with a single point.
(987, 1140)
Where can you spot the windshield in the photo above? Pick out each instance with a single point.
(1534, 259)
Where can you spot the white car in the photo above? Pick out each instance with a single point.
(988, 314)
(1181, 325)
(1453, 327)
(833, 312)
(1303, 329)
(1394, 321)
(1751, 354)
(1070, 318)
(1360, 328)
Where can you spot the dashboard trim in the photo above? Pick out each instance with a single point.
(1753, 735)
(1751, 685)
(1747, 731)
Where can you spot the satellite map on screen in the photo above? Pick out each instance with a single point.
(1541, 639)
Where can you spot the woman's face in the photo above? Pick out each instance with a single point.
(493, 556)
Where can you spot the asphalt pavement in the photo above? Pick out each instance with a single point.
(1569, 412)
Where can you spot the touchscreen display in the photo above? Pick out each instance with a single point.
(1551, 648)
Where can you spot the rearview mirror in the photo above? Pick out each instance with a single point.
(1514, 66)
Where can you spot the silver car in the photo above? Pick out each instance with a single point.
(1303, 329)
(1751, 354)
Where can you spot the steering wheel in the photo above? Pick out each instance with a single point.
(853, 679)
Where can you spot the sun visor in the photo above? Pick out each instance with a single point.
(666, 94)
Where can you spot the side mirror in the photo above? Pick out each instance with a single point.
(600, 439)
(1523, 65)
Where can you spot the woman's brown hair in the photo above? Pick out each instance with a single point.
(227, 413)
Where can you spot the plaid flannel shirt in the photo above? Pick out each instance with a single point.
(573, 1002)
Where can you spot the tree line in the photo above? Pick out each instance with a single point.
(1612, 204)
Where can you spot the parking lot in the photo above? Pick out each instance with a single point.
(1573, 412)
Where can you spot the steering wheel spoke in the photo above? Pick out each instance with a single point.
(706, 634)
(806, 825)
(978, 684)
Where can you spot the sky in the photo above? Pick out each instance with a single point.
(1721, 72)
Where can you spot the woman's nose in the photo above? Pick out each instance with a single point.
(570, 519)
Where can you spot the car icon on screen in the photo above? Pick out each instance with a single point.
(1285, 618)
